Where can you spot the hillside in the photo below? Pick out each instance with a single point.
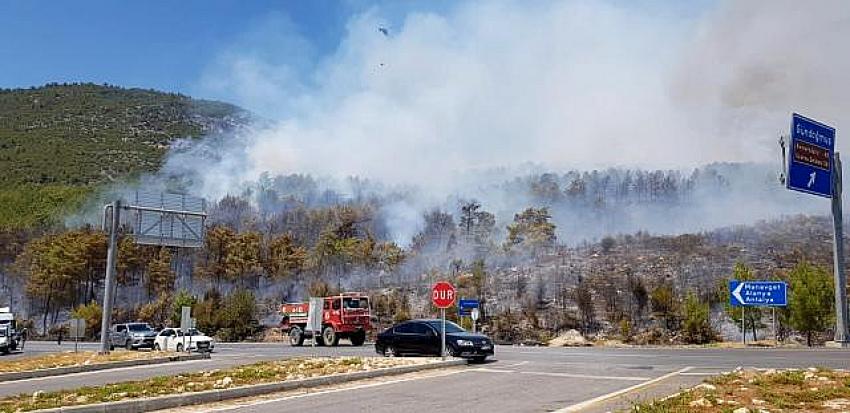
(60, 141)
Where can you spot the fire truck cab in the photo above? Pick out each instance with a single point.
(343, 316)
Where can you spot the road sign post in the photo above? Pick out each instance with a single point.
(77, 329)
(756, 294)
(474, 314)
(443, 296)
(186, 325)
(815, 168)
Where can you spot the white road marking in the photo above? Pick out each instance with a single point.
(521, 363)
(329, 391)
(565, 375)
(588, 354)
(579, 406)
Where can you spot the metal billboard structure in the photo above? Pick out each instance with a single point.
(171, 220)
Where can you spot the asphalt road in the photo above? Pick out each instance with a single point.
(536, 380)
(520, 379)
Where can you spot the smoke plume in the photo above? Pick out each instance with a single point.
(485, 89)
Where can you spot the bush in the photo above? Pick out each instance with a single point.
(156, 313)
(183, 298)
(92, 313)
(237, 319)
(696, 327)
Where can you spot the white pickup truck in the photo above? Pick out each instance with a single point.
(10, 337)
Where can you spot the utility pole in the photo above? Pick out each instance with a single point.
(109, 289)
(841, 334)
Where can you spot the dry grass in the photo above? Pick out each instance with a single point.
(67, 359)
(258, 373)
(793, 390)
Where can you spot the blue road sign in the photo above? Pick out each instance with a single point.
(465, 306)
(758, 293)
(810, 161)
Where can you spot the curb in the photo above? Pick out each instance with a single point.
(213, 396)
(59, 371)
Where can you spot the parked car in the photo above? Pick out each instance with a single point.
(422, 337)
(173, 339)
(132, 336)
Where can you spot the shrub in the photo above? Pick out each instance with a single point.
(92, 313)
(237, 319)
(696, 327)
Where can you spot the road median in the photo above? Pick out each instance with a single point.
(84, 363)
(218, 385)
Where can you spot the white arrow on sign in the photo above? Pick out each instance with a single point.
(737, 293)
(812, 179)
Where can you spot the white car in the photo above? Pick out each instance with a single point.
(173, 339)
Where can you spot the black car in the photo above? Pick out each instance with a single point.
(422, 337)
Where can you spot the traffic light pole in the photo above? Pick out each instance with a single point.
(841, 333)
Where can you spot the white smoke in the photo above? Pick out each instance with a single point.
(572, 84)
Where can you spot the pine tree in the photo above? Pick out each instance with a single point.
(812, 299)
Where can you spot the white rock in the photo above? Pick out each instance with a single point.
(741, 410)
(758, 402)
(706, 386)
(701, 402)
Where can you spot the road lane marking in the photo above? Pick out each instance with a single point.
(585, 376)
(564, 375)
(329, 391)
(587, 403)
(541, 353)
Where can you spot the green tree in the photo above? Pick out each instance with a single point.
(812, 299)
(238, 316)
(531, 229)
(696, 326)
(180, 300)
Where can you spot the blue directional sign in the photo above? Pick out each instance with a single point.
(758, 293)
(810, 161)
(465, 306)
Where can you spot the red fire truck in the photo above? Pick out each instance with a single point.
(343, 316)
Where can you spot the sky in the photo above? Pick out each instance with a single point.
(165, 45)
(454, 86)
